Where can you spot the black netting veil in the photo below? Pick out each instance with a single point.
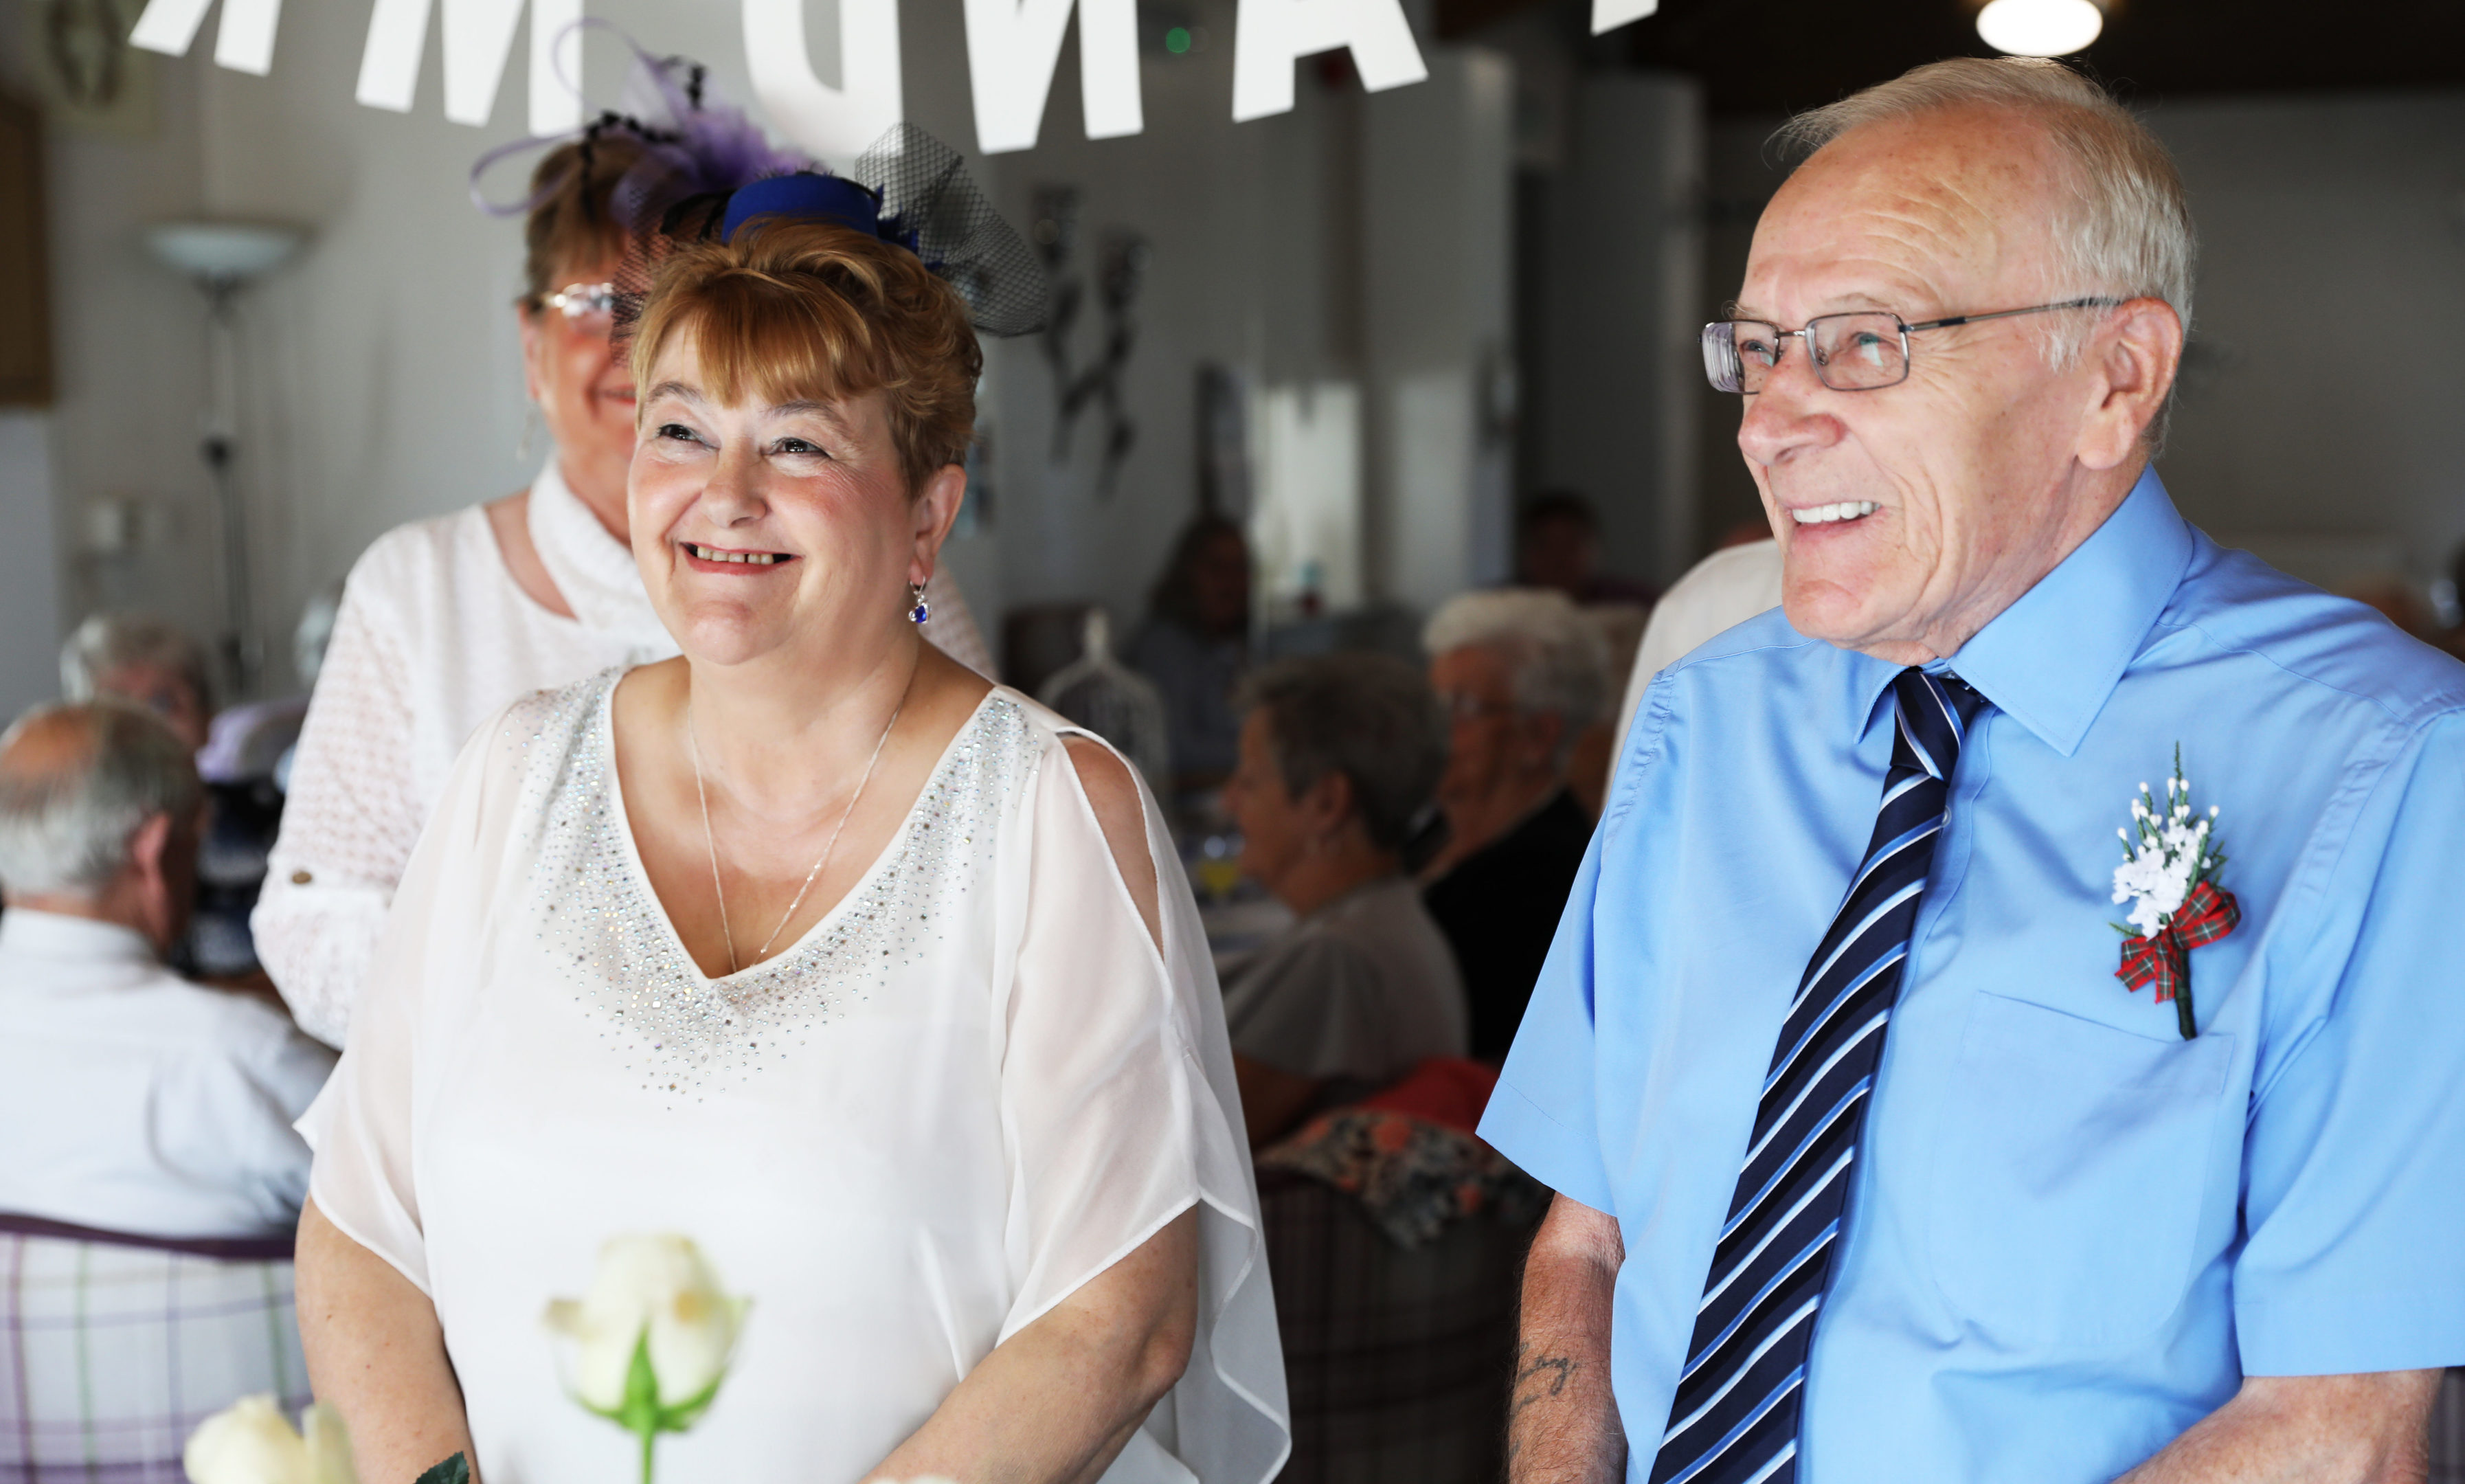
(928, 198)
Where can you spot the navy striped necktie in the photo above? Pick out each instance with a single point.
(1735, 1420)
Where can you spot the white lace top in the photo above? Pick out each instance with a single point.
(435, 636)
(973, 1086)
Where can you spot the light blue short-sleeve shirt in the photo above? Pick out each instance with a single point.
(2072, 1232)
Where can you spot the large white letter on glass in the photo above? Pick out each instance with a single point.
(478, 38)
(244, 44)
(834, 123)
(1013, 46)
(1611, 15)
(1271, 34)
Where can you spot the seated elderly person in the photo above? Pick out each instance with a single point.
(135, 1101)
(155, 665)
(1521, 674)
(1340, 756)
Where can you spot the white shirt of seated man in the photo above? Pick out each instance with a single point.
(443, 624)
(135, 1101)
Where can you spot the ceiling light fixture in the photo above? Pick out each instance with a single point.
(2039, 28)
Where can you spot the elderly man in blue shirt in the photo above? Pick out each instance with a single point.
(1879, 1155)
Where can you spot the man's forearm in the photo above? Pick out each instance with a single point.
(2305, 1429)
(1562, 1421)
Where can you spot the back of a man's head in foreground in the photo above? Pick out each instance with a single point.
(96, 797)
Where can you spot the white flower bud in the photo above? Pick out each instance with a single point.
(251, 1442)
(659, 1282)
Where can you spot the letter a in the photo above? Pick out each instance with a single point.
(1013, 46)
(830, 123)
(1271, 34)
(244, 44)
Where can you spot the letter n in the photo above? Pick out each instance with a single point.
(1013, 46)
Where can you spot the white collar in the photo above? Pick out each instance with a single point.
(56, 935)
(594, 571)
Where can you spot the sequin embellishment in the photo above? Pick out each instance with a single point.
(687, 1035)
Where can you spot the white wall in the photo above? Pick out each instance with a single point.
(1439, 285)
(2323, 403)
(30, 599)
(1613, 410)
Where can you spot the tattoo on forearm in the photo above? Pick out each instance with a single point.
(1540, 1377)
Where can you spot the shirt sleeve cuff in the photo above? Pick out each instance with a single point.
(1544, 1148)
(2351, 1334)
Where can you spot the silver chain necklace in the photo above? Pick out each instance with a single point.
(693, 747)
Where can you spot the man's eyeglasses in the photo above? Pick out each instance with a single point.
(583, 301)
(1861, 351)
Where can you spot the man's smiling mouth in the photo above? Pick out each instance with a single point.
(1824, 515)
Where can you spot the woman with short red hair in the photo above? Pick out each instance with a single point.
(875, 980)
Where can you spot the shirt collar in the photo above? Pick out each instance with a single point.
(56, 935)
(2050, 659)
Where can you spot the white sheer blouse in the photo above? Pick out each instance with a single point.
(434, 636)
(971, 1087)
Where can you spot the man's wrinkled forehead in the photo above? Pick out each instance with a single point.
(1920, 214)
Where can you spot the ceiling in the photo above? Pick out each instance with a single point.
(1771, 55)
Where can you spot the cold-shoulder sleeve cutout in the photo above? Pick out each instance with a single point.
(1123, 1110)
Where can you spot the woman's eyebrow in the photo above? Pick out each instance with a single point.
(681, 390)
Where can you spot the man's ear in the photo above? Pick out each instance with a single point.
(937, 510)
(149, 852)
(1329, 801)
(2137, 353)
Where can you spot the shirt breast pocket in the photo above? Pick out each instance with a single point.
(2070, 1171)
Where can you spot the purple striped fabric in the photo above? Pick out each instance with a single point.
(112, 1351)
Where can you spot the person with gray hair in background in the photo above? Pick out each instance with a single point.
(1521, 674)
(1341, 755)
(136, 1102)
(153, 664)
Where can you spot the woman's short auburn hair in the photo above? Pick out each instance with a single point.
(796, 310)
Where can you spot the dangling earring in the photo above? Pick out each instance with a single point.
(922, 610)
(530, 425)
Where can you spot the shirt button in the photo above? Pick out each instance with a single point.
(302, 878)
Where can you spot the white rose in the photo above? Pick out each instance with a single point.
(251, 1442)
(661, 1282)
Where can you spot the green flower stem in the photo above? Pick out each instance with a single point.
(650, 1444)
(2183, 1021)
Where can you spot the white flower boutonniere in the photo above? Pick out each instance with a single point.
(2170, 860)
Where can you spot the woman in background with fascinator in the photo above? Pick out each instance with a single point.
(443, 621)
(876, 981)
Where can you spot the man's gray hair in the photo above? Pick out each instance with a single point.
(107, 641)
(65, 827)
(1370, 718)
(1560, 661)
(2123, 222)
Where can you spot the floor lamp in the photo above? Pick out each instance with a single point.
(221, 258)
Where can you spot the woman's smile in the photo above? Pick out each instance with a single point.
(733, 562)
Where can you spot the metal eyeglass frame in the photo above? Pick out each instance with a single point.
(1726, 369)
(577, 299)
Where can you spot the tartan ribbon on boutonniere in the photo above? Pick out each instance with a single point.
(2169, 874)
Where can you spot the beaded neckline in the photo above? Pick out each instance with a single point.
(686, 1033)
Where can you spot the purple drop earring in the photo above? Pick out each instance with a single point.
(922, 611)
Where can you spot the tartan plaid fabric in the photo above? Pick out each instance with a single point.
(2205, 916)
(1397, 1358)
(112, 1353)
